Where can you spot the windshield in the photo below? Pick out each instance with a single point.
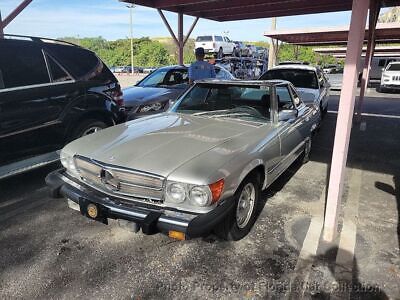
(250, 103)
(299, 78)
(394, 67)
(165, 77)
(205, 38)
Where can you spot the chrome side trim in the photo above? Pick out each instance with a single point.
(51, 123)
(36, 86)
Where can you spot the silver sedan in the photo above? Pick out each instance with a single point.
(197, 168)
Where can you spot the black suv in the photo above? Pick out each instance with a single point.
(51, 92)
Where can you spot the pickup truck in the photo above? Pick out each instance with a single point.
(217, 45)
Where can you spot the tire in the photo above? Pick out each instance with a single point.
(87, 127)
(238, 222)
(235, 52)
(305, 156)
(220, 53)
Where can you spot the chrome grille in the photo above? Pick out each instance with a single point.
(120, 181)
(396, 78)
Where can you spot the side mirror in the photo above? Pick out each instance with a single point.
(287, 114)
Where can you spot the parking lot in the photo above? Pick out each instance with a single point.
(49, 250)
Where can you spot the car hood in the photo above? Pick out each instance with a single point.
(135, 96)
(160, 143)
(308, 95)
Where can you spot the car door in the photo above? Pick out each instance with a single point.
(29, 103)
(290, 123)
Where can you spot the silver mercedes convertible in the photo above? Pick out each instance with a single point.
(198, 168)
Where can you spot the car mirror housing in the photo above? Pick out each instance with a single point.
(287, 114)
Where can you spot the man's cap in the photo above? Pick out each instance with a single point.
(199, 51)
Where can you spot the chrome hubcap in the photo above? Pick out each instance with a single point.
(91, 130)
(245, 205)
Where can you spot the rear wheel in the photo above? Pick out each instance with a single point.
(241, 219)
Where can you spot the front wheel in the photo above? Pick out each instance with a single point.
(88, 127)
(241, 219)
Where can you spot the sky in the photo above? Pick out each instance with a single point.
(110, 19)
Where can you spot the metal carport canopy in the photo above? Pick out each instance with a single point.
(232, 10)
(379, 50)
(384, 33)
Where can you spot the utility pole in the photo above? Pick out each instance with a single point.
(272, 51)
(131, 35)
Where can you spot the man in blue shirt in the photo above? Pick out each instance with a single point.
(200, 69)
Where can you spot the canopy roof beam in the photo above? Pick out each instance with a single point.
(180, 41)
(7, 20)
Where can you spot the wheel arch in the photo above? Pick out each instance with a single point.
(256, 167)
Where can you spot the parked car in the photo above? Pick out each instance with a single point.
(51, 92)
(330, 69)
(154, 93)
(309, 81)
(390, 77)
(241, 49)
(378, 65)
(217, 45)
(149, 69)
(199, 167)
(119, 69)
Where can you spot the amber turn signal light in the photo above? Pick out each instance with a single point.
(216, 189)
(176, 235)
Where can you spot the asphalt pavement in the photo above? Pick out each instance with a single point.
(48, 251)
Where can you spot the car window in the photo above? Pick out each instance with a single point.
(22, 65)
(296, 99)
(299, 78)
(394, 67)
(218, 38)
(205, 38)
(174, 77)
(284, 98)
(227, 101)
(56, 71)
(78, 61)
(154, 79)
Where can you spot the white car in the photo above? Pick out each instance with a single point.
(390, 77)
(309, 81)
(216, 44)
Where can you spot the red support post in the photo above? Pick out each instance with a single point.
(180, 38)
(374, 9)
(345, 117)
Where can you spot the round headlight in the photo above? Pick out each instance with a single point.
(200, 195)
(176, 192)
(68, 162)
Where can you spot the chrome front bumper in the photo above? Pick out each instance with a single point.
(150, 218)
